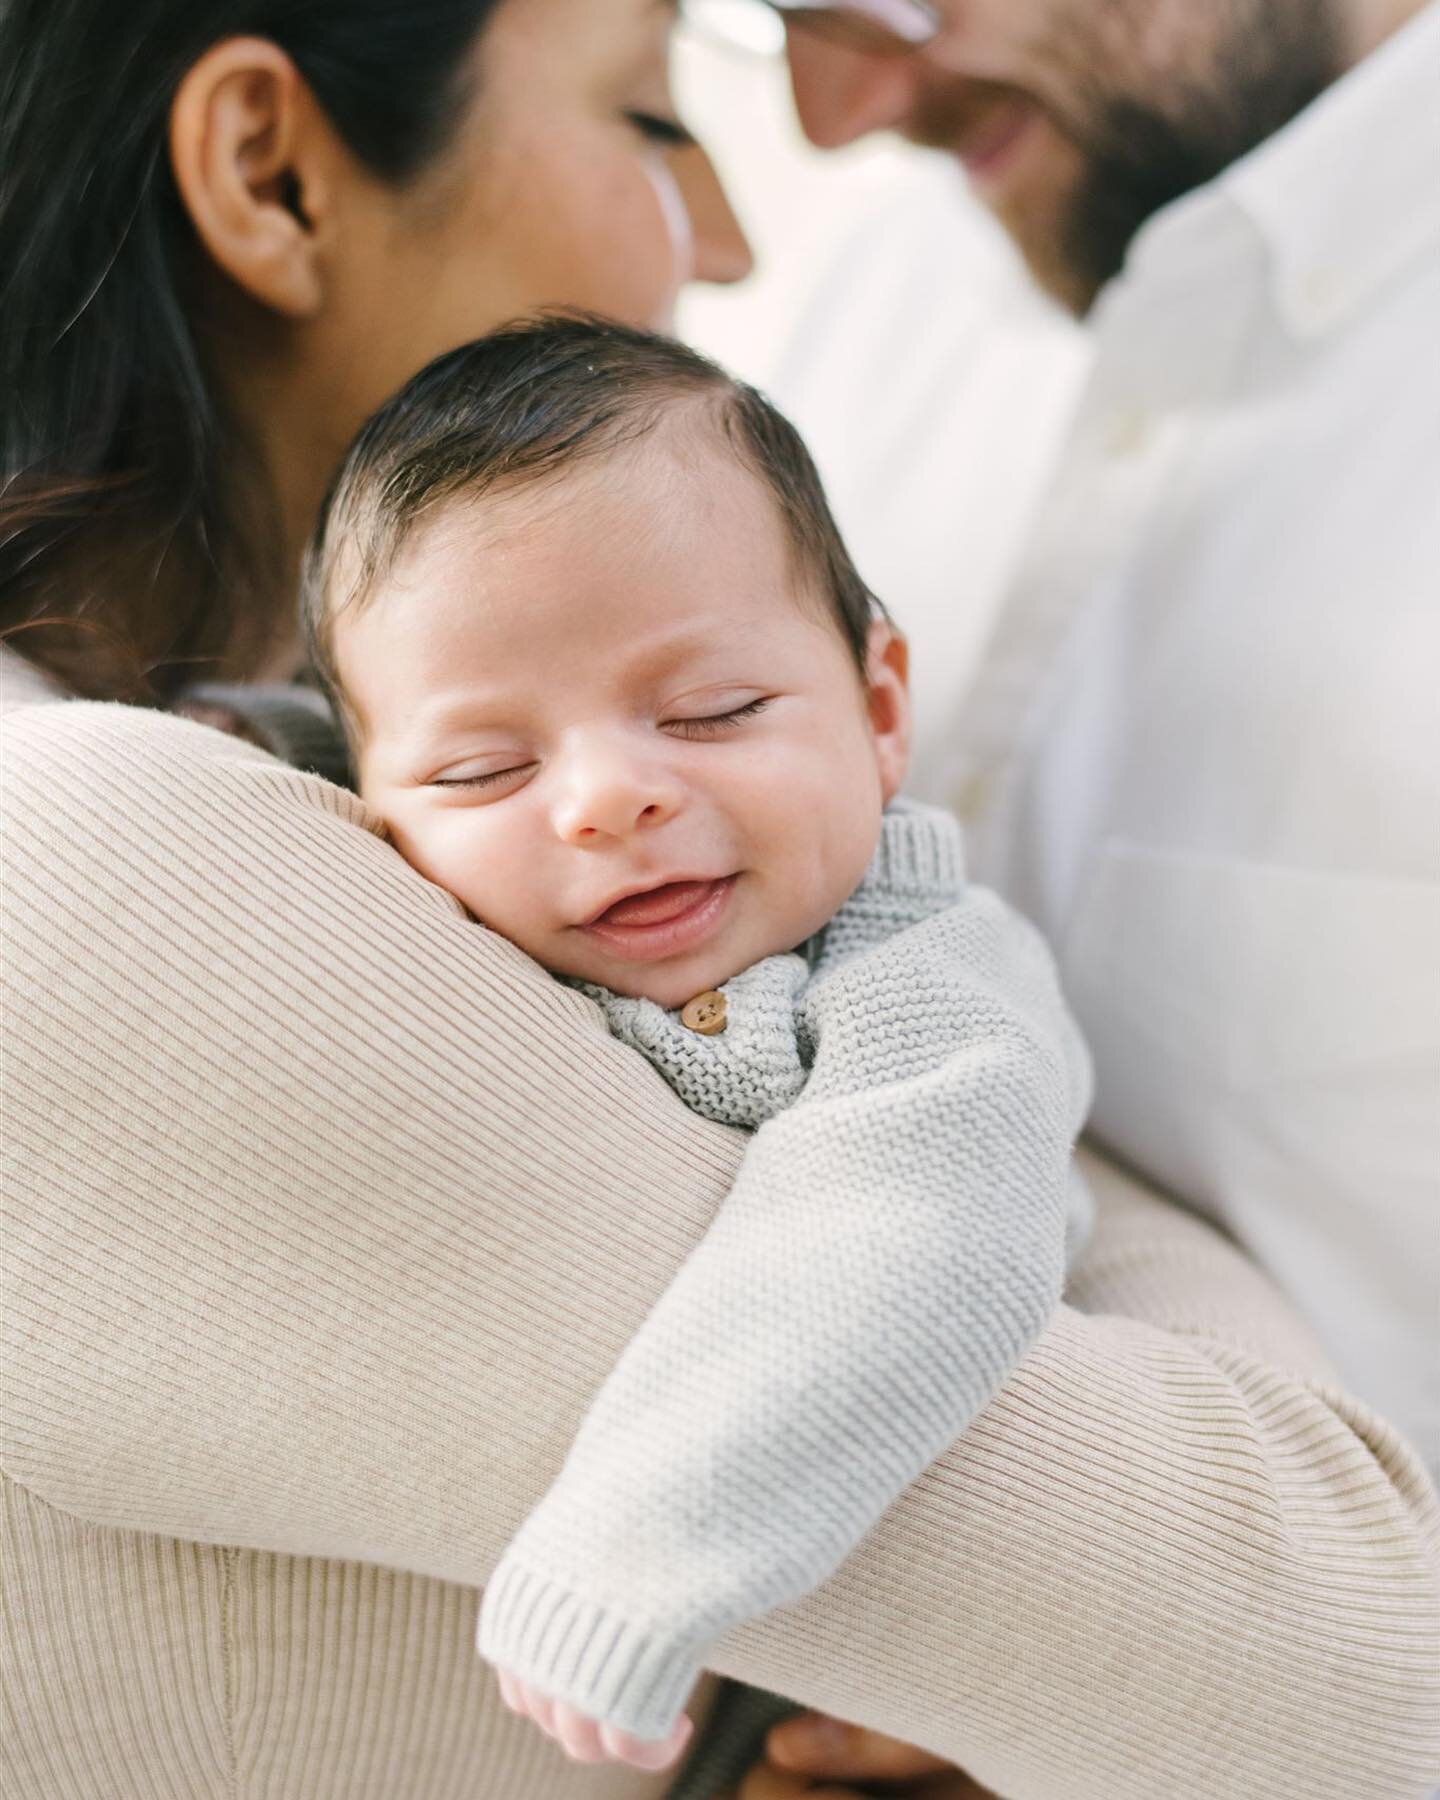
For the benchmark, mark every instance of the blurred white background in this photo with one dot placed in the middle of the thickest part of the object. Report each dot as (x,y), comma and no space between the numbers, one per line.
(891,321)
(794,201)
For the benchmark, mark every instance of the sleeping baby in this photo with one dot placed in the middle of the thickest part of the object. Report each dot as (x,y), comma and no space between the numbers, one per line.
(610,677)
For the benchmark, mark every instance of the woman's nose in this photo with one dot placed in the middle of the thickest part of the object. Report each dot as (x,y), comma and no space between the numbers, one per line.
(722,251)
(842,93)
(608,801)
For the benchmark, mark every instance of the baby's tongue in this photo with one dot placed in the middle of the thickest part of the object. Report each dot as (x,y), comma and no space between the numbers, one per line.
(657,905)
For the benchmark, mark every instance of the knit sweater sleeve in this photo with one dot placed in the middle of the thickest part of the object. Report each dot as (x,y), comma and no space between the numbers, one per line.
(894,1242)
(327,1215)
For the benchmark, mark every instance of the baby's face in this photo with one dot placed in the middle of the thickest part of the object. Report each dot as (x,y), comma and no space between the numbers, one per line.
(597,713)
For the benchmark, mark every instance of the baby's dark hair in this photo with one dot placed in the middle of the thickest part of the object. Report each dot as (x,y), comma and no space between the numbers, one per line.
(522,405)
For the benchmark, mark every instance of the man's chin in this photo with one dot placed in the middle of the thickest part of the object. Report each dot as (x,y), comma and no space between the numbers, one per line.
(1034,213)
(1055,276)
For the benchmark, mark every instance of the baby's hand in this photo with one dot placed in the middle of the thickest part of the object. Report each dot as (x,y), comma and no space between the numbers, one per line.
(587,1740)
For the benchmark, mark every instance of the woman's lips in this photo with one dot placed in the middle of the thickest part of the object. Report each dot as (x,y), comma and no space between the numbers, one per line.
(663,920)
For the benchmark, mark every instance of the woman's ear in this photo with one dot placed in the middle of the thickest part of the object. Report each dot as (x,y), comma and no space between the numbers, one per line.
(247,144)
(887,681)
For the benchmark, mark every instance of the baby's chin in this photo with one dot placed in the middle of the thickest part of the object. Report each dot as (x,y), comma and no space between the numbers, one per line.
(672,984)
(747,937)
(670,988)
(669,984)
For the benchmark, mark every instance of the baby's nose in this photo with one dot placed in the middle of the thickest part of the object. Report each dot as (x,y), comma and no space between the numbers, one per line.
(612,802)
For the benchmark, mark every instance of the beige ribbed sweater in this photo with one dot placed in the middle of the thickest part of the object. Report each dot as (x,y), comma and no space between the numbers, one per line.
(329,1213)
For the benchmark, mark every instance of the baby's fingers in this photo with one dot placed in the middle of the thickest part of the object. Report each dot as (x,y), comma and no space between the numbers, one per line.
(579,1737)
(646,1753)
(512,1692)
(541,1708)
(529,1702)
(584,1739)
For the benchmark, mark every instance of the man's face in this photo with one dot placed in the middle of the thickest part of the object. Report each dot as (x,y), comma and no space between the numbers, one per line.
(1077,119)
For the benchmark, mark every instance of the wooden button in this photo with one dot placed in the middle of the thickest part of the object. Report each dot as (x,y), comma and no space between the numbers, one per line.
(705,1013)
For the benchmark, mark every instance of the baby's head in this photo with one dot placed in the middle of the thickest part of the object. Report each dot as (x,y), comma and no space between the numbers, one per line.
(607,670)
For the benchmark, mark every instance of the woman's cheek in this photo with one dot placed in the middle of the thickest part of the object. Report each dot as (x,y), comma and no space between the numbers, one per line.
(637,231)
(679,235)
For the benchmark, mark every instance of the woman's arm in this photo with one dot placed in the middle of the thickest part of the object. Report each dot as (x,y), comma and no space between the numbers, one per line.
(330,1213)
(326,1202)
(1172,1558)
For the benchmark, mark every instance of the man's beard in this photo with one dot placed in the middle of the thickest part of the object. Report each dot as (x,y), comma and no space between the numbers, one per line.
(1139,154)
(1140,138)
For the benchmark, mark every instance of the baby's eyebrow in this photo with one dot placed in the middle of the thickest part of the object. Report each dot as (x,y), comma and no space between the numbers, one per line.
(690,643)
(451,712)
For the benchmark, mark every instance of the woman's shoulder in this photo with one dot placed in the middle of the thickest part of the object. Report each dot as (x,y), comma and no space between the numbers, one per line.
(157,824)
(128,771)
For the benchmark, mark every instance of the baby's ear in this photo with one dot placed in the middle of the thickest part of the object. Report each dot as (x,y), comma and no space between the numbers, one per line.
(887,683)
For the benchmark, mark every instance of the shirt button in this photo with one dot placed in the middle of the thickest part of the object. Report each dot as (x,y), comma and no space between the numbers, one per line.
(705,1013)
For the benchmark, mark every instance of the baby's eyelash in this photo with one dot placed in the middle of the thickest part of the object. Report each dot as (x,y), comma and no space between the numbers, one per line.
(693,728)
(718,722)
(477,781)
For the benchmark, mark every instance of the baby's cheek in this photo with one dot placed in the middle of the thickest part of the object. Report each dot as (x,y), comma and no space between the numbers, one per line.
(522,929)
(450,849)
(843,841)
(807,898)
(503,906)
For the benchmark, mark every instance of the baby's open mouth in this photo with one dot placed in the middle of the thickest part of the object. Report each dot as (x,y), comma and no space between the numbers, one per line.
(656,906)
(663,920)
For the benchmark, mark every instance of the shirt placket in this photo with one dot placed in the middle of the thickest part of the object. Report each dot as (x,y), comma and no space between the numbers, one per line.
(1168,339)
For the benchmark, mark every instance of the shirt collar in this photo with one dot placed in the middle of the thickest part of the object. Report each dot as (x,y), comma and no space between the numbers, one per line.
(1342,198)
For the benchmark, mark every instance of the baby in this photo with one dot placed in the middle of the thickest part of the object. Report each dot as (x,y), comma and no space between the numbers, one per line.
(610,678)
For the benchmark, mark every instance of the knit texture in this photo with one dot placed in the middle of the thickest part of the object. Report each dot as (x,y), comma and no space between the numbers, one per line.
(894,1242)
(327,1214)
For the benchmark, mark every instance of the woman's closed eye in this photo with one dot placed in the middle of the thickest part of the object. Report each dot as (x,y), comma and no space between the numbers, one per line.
(660,129)
(712,724)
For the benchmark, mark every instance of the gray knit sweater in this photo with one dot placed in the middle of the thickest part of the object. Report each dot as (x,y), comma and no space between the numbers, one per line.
(896,1238)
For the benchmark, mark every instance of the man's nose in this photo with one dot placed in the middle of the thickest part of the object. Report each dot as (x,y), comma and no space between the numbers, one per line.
(842,92)
(608,797)
(722,251)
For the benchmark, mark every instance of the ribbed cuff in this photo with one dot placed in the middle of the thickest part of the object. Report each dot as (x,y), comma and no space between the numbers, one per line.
(921,851)
(611,1668)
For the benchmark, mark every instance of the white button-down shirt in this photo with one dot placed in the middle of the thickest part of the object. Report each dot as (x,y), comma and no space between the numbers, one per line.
(1203,749)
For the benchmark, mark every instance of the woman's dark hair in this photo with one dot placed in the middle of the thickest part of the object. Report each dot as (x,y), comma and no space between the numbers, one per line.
(128,517)
(524,405)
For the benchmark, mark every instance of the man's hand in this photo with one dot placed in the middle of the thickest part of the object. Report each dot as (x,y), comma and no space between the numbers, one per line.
(817,1758)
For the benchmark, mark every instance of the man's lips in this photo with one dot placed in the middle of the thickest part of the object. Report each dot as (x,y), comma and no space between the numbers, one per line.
(984,146)
(662,920)
(976,119)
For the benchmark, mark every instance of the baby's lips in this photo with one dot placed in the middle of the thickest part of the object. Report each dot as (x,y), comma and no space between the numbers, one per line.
(656,906)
